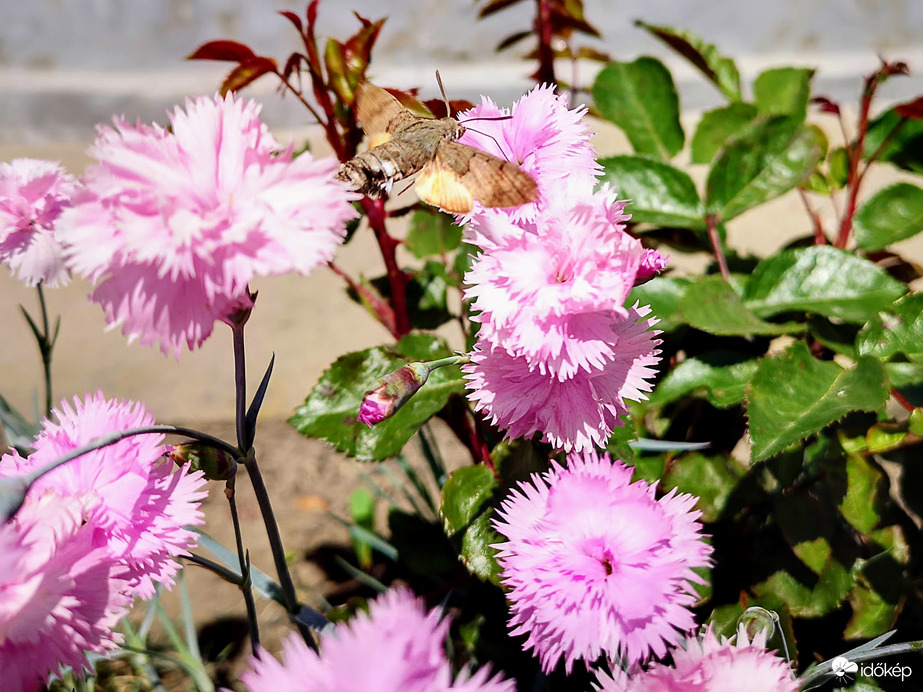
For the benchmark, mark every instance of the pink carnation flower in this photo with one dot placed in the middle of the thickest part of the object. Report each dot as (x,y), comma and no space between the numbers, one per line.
(61,593)
(33,193)
(555,294)
(706,663)
(172,225)
(596,564)
(578,413)
(546,139)
(129,488)
(397,647)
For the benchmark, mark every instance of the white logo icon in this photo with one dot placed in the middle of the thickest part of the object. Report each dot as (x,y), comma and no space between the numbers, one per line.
(843,666)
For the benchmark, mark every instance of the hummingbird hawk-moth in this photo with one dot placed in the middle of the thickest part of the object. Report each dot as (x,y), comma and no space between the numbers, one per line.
(452,175)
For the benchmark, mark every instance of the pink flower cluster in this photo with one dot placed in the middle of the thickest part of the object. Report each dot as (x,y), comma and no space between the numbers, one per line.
(173,223)
(91,534)
(33,194)
(397,647)
(705,663)
(595,564)
(558,352)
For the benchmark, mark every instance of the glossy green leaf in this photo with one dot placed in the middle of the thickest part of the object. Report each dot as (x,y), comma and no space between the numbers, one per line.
(865,483)
(664,295)
(823,280)
(432,233)
(770,158)
(718,126)
(711,304)
(641,99)
(721,71)
(915,422)
(329,412)
(784,91)
(711,479)
(891,214)
(619,441)
(883,437)
(904,145)
(838,167)
(792,396)
(657,193)
(829,591)
(897,329)
(467,489)
(476,554)
(719,376)
(872,614)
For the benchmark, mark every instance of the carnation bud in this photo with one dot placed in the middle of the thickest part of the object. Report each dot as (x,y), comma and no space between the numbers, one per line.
(393,391)
(216,463)
(652,263)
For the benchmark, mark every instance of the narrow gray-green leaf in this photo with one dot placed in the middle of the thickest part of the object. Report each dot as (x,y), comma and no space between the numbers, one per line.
(784,91)
(767,160)
(641,99)
(657,192)
(821,280)
(720,70)
(792,395)
(716,127)
(891,214)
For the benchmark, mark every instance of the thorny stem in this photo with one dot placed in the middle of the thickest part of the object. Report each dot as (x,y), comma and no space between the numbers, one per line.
(543,30)
(712,224)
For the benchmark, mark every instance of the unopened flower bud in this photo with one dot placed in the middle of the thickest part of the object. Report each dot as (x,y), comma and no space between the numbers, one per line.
(652,263)
(393,391)
(217,464)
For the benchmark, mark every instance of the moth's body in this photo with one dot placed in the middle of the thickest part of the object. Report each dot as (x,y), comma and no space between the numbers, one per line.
(452,175)
(406,152)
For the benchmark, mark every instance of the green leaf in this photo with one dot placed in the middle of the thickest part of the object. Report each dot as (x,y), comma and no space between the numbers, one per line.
(864,484)
(792,396)
(329,412)
(823,280)
(648,468)
(641,99)
(767,160)
(663,294)
(804,525)
(903,375)
(904,149)
(720,70)
(476,554)
(657,192)
(829,591)
(711,304)
(838,166)
(719,376)
(432,233)
(619,441)
(872,614)
(784,91)
(891,214)
(897,329)
(711,479)
(463,494)
(718,126)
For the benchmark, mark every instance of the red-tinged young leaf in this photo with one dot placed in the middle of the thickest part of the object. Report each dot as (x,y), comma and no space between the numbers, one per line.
(721,71)
(495,6)
(912,109)
(294,19)
(588,53)
(227,51)
(562,19)
(512,39)
(311,14)
(247,72)
(292,65)
(826,105)
(358,47)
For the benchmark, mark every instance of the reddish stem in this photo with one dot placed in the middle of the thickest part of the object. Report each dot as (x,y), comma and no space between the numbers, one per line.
(854,180)
(545,53)
(397,280)
(712,224)
(819,237)
(383,311)
(901,400)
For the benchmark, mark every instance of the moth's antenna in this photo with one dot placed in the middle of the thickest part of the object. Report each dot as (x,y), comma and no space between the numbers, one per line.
(499,148)
(448,108)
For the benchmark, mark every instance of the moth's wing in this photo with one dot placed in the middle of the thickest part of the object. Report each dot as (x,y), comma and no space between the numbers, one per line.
(380,114)
(440,184)
(490,180)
